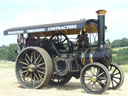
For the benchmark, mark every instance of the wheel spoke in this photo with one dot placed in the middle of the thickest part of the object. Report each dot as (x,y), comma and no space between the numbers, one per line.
(32,57)
(40,60)
(28,78)
(36,76)
(101,84)
(23,63)
(117,77)
(36,59)
(110,68)
(100,74)
(42,68)
(98,70)
(34,79)
(40,72)
(31,78)
(112,83)
(114,71)
(91,70)
(39,75)
(24,67)
(40,64)
(26,75)
(26,60)
(23,71)
(28,57)
(115,81)
(89,82)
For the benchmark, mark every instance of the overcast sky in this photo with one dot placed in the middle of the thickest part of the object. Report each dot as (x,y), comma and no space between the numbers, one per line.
(15,13)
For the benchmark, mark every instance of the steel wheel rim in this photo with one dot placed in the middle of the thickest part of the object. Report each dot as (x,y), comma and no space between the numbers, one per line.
(95,78)
(116,76)
(31,78)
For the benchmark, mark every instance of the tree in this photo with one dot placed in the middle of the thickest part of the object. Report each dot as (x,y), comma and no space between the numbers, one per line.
(116,43)
(3,54)
(124,42)
(11,56)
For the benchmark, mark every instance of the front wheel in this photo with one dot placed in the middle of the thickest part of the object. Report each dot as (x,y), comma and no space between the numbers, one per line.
(95,78)
(117,76)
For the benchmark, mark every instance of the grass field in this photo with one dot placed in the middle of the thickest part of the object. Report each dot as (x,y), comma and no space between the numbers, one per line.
(12,66)
(117,49)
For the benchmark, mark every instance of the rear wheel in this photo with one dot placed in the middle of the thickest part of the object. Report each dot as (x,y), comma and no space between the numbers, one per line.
(117,76)
(33,67)
(95,78)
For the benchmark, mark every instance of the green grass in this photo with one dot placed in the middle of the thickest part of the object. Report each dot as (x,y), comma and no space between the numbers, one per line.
(124,67)
(117,49)
(7,65)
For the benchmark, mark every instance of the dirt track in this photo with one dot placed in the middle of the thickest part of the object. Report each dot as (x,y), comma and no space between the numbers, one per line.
(10,87)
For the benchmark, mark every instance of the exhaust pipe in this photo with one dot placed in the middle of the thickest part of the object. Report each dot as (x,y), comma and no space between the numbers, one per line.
(101,27)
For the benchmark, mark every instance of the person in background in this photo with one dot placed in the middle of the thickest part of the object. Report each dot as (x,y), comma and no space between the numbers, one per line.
(28,37)
(31,40)
(21,43)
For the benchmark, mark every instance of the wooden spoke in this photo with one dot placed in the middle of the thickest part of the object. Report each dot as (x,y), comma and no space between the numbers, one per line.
(116,77)
(39,75)
(112,83)
(36,59)
(26,75)
(36,76)
(23,63)
(114,71)
(89,82)
(34,80)
(34,55)
(42,68)
(28,57)
(31,78)
(98,70)
(91,71)
(40,64)
(24,67)
(24,71)
(100,74)
(26,60)
(115,81)
(40,72)
(101,84)
(28,78)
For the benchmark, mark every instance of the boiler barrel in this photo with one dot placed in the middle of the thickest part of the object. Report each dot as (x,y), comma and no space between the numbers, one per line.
(101,55)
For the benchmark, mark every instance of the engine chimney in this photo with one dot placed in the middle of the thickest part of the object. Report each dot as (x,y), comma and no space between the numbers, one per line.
(101,27)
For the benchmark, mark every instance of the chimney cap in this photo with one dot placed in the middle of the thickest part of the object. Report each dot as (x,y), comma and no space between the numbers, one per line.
(101,12)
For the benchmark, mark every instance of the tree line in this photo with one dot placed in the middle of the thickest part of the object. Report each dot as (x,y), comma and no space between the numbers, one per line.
(120,56)
(8,52)
(119,43)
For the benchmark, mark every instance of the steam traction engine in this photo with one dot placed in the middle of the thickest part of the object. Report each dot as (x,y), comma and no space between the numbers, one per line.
(54,58)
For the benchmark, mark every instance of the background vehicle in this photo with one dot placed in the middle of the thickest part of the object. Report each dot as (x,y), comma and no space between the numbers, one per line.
(54,58)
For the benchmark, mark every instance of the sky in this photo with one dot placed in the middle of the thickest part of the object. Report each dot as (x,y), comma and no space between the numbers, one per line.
(18,13)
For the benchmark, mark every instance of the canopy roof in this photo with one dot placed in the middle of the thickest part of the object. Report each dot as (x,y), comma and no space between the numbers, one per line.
(68,28)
